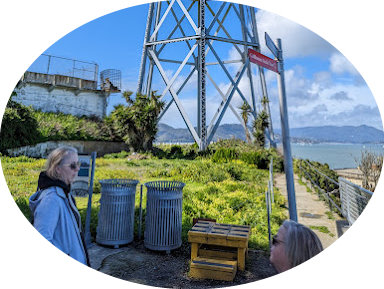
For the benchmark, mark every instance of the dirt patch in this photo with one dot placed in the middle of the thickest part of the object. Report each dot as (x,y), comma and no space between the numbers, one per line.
(137,264)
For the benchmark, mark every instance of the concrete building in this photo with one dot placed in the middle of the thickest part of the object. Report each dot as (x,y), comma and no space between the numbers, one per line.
(61,93)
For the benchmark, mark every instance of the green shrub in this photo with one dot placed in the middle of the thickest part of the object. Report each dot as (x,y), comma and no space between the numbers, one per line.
(120,155)
(224,155)
(184,151)
(18,128)
(22,125)
(176,152)
(262,158)
(310,171)
(60,126)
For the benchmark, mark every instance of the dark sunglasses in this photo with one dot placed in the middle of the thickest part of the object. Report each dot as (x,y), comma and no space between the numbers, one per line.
(276,241)
(73,166)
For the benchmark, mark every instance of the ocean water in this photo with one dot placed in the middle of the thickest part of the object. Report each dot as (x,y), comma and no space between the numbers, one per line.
(337,156)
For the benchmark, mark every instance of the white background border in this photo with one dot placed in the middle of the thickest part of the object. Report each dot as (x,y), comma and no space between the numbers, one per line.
(353,27)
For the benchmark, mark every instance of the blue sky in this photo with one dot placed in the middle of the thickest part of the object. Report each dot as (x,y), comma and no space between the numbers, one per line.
(323,88)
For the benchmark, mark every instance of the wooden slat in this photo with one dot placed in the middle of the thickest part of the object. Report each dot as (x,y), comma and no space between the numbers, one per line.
(217,254)
(207,268)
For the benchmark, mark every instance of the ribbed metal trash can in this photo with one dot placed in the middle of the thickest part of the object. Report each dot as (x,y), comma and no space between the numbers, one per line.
(163,218)
(115,226)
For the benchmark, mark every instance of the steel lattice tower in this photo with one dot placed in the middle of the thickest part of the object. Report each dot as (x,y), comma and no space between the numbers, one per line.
(196,30)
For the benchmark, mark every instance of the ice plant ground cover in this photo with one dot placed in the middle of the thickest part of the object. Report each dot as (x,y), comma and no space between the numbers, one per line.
(230,191)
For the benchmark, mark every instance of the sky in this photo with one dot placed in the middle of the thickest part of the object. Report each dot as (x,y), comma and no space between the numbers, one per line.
(354,27)
(322,86)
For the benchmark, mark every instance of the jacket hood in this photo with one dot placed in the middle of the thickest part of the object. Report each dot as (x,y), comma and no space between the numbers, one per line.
(45,182)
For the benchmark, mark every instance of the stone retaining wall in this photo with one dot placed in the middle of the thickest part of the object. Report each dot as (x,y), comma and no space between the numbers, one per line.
(42,150)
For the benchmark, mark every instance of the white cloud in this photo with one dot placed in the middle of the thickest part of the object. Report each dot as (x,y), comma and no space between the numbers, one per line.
(322,100)
(297,41)
(339,65)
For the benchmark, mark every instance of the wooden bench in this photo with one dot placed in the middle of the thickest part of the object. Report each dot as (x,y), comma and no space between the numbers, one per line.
(218,248)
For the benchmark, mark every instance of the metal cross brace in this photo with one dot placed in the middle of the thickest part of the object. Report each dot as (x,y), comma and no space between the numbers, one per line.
(175,98)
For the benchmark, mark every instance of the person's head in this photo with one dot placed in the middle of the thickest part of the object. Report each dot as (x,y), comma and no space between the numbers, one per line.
(63,164)
(293,244)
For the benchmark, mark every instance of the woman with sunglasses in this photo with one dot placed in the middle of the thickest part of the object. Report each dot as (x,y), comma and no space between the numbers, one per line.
(292,245)
(53,208)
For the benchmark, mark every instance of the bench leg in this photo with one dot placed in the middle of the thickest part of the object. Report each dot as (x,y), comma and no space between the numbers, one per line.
(241,258)
(194,250)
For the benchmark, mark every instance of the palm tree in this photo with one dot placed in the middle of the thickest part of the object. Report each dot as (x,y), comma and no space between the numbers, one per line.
(245,112)
(259,126)
(137,122)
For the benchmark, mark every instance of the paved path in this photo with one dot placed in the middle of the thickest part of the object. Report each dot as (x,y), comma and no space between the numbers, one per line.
(311,211)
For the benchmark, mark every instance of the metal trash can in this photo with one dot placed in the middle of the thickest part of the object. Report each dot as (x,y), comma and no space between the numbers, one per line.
(163,218)
(117,212)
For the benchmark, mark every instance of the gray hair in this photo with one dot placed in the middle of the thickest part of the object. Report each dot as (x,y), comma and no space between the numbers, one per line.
(301,243)
(56,158)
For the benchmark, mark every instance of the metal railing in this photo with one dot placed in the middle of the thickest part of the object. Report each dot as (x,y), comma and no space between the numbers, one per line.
(50,64)
(269,199)
(353,198)
(325,193)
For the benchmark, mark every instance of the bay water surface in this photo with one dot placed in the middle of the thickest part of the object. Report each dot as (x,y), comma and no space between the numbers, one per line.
(336,155)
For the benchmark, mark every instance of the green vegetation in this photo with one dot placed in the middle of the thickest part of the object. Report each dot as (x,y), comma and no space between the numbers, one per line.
(230,192)
(322,229)
(227,182)
(26,126)
(330,215)
(20,122)
(321,183)
(136,123)
(260,124)
(60,126)
(245,111)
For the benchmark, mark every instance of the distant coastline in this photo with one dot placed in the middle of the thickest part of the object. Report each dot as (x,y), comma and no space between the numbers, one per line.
(307,135)
(339,147)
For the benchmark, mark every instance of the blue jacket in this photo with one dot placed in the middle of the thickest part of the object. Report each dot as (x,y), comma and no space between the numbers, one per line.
(54,218)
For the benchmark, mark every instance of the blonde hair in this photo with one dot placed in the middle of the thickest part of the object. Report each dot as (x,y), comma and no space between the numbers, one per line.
(301,243)
(56,158)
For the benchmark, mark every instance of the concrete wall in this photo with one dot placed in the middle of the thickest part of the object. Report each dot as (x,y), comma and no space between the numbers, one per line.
(42,150)
(61,99)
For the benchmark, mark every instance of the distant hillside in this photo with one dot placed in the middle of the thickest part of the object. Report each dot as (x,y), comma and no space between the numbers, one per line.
(338,134)
(167,133)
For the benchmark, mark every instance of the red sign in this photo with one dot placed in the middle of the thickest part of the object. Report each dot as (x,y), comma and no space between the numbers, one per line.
(262,60)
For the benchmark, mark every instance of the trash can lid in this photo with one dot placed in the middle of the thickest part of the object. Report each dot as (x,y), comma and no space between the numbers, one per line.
(119,182)
(165,185)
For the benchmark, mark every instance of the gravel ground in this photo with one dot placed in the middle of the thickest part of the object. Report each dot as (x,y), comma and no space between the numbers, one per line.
(137,264)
